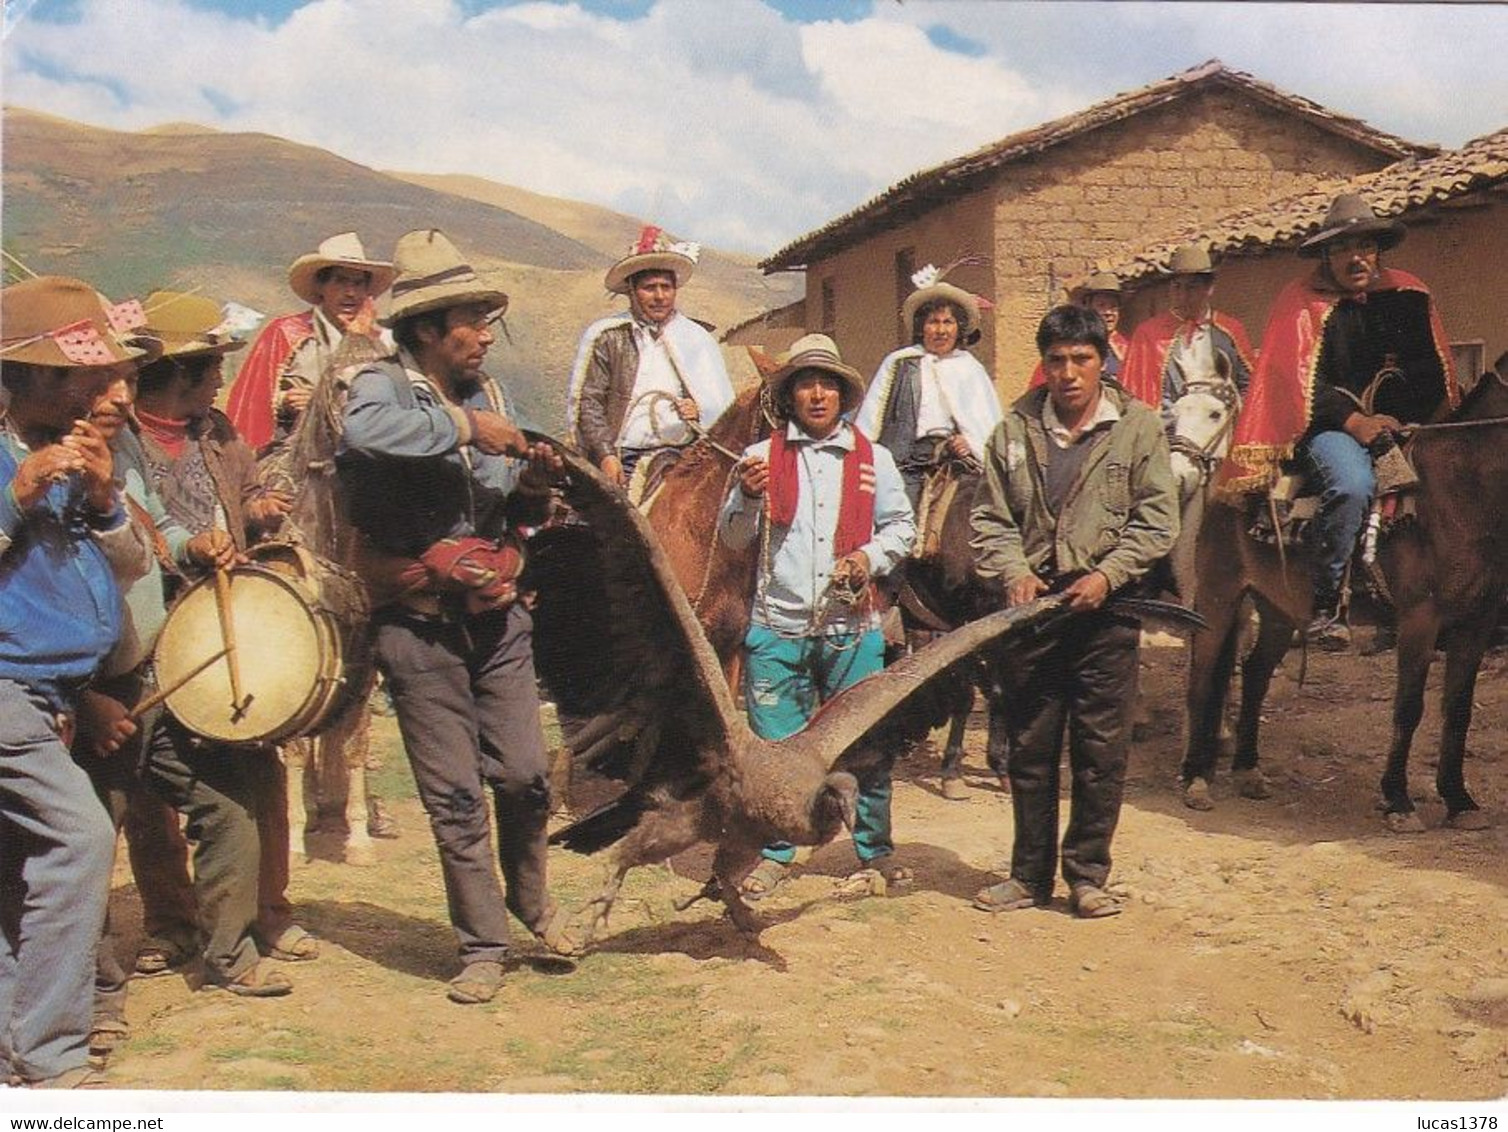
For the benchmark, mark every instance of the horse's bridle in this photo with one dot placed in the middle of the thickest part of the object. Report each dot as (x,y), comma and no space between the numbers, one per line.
(1204,455)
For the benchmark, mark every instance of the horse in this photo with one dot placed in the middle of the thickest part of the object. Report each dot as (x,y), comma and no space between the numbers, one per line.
(1200,425)
(1446,572)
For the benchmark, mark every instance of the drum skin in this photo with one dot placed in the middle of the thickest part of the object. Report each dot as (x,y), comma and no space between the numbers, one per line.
(296,633)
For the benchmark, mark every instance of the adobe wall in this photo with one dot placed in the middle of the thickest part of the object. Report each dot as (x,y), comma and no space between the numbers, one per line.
(1125,185)
(1459,252)
(864,278)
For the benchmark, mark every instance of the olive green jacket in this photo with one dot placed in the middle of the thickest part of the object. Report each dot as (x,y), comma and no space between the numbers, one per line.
(1119,518)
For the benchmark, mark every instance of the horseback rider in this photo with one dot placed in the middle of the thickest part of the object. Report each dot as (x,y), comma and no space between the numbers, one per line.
(1191,342)
(1352,350)
(1100,293)
(931,401)
(643,378)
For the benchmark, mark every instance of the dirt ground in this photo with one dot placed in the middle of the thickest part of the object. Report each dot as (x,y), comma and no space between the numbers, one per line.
(1283,949)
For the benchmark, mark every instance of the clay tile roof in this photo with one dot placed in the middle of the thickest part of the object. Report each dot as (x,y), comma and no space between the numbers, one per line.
(930,186)
(1403,187)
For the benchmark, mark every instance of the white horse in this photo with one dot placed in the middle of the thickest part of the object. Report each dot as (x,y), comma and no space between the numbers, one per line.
(1200,423)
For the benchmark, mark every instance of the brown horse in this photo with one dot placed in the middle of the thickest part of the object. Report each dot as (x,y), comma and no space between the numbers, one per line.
(683,515)
(1446,571)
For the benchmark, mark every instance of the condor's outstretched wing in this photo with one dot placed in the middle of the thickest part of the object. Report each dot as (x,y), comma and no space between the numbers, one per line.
(852,715)
(618,648)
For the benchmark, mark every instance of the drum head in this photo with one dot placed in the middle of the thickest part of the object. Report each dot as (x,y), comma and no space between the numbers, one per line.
(280,644)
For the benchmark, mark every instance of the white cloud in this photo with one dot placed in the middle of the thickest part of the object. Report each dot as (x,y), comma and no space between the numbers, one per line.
(724,121)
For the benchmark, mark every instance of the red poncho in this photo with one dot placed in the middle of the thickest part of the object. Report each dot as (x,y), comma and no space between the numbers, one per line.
(1281,396)
(252,404)
(1148,356)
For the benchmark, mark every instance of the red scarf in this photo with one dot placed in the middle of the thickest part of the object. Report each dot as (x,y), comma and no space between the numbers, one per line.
(169,435)
(253,396)
(1281,396)
(855,510)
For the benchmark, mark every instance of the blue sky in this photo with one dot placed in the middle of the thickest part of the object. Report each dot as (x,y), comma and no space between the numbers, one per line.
(740,123)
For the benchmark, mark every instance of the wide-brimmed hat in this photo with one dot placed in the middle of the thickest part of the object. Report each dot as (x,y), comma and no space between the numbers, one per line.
(1351,215)
(931,289)
(344,250)
(819,352)
(1100,283)
(188,325)
(653,251)
(432,276)
(1190,259)
(54,320)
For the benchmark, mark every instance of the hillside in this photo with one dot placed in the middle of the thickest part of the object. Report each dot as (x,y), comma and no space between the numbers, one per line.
(192,207)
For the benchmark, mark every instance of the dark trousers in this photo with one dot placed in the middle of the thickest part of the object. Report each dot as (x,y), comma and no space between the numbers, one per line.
(1083,677)
(468,711)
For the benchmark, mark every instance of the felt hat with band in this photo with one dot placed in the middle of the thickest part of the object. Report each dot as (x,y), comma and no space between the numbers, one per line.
(1350,215)
(817,352)
(54,320)
(188,324)
(432,276)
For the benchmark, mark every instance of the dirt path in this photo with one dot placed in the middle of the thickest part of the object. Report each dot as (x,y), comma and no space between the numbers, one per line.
(1291,948)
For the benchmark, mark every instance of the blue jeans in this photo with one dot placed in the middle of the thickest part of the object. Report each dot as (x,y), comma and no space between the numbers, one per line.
(1341,470)
(56,850)
(785,680)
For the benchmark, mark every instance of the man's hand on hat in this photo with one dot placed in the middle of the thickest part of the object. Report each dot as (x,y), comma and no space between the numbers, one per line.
(754,477)
(496,435)
(96,464)
(1088,592)
(687,408)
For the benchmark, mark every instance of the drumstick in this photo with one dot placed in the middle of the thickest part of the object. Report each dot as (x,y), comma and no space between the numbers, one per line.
(156,698)
(228,633)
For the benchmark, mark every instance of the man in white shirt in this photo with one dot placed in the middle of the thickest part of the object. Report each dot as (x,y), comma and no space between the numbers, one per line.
(644,378)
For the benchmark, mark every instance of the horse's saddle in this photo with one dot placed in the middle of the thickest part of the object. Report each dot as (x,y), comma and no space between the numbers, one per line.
(1290,506)
(938,496)
(649,474)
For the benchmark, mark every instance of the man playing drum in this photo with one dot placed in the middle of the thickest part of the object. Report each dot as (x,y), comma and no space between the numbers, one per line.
(643,377)
(206,477)
(424,459)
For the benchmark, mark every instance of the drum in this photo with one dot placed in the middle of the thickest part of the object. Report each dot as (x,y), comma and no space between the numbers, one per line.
(302,651)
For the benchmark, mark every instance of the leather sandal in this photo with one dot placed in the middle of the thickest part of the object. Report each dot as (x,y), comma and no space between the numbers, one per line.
(161,957)
(1090,902)
(477,983)
(1010,896)
(292,945)
(763,879)
(258,982)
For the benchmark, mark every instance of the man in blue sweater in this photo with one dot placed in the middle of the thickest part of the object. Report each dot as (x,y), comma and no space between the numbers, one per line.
(64,537)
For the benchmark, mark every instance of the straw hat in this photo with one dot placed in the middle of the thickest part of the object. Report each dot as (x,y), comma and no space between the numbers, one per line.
(34,311)
(432,276)
(1351,215)
(188,325)
(1191,259)
(344,250)
(819,352)
(652,251)
(931,289)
